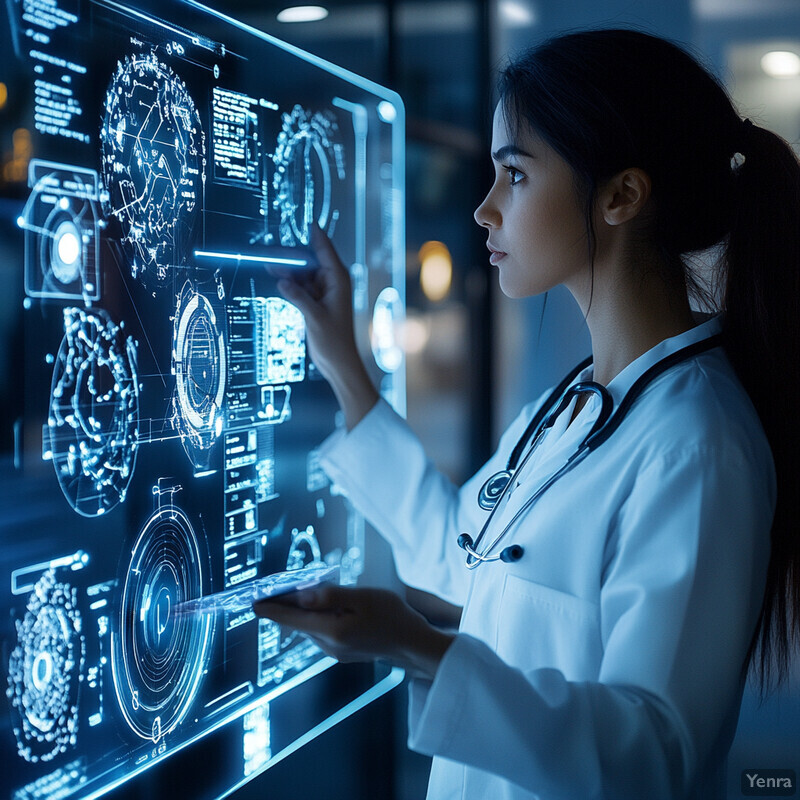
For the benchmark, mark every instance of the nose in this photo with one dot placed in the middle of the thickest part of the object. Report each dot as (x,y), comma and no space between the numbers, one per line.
(486,214)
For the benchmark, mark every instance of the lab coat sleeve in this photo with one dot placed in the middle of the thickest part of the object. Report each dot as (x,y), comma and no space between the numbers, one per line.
(679,601)
(383,469)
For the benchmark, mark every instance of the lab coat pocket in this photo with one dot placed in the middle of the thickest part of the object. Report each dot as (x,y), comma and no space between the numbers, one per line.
(543,627)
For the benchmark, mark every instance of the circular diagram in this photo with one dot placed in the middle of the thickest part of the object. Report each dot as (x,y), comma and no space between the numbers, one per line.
(199,363)
(307,160)
(153,159)
(159,657)
(94,412)
(45,671)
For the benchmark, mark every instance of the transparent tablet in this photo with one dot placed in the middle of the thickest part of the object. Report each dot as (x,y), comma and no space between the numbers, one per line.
(242,597)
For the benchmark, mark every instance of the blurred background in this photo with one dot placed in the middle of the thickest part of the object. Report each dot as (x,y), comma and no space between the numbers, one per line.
(475,357)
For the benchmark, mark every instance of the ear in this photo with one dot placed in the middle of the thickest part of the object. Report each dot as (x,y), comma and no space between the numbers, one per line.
(624,196)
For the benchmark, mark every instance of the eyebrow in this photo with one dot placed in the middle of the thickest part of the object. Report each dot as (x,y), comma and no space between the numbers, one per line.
(509,150)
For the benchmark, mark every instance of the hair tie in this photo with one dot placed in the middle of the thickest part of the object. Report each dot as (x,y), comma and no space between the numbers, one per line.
(745,129)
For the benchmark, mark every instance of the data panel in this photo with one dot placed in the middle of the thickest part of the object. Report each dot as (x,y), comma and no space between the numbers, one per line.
(173,411)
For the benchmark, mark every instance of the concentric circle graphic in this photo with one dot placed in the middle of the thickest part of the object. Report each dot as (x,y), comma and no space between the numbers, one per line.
(159,657)
(153,159)
(62,230)
(45,671)
(199,362)
(94,412)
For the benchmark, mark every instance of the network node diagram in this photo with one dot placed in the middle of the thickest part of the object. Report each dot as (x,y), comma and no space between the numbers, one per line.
(173,414)
(46,670)
(154,164)
(91,430)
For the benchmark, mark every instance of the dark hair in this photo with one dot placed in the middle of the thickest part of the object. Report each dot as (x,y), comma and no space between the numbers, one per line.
(607,100)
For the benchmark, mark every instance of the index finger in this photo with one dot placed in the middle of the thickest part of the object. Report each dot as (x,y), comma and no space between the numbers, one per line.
(324,250)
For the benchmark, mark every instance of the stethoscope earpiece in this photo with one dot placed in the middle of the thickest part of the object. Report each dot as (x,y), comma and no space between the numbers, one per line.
(509,554)
(512,553)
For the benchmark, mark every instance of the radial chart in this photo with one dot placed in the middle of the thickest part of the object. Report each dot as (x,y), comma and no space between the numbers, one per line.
(199,363)
(159,657)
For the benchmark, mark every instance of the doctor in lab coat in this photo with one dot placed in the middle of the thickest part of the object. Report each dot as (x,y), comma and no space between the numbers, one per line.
(607,662)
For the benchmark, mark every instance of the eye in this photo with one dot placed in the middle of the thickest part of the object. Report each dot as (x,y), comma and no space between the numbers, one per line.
(514,175)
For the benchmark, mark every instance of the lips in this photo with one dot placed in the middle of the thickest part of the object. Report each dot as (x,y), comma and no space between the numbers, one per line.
(495,255)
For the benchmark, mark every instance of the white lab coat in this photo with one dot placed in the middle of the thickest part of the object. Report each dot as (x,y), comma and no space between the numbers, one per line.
(606,662)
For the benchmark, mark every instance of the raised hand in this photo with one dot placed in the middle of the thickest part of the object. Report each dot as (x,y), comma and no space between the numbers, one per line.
(325,300)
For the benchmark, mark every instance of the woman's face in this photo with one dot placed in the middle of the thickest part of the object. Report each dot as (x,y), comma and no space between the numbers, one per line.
(537,231)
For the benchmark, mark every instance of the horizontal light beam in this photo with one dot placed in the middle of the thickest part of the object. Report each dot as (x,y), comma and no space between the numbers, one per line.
(288,262)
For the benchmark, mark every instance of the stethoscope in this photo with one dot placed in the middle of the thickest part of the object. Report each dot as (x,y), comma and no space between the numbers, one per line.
(498,486)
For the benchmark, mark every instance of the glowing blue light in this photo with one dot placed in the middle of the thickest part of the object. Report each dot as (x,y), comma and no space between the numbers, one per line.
(386,111)
(289,262)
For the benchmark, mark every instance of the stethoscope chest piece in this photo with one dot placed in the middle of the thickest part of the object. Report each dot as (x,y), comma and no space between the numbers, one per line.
(493,489)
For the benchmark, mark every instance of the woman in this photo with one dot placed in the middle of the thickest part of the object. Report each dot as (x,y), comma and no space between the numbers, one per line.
(604,655)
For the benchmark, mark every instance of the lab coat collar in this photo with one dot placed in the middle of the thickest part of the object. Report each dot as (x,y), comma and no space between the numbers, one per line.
(622,382)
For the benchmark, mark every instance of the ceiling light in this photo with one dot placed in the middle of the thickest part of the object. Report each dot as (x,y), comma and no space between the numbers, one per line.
(781,64)
(302,14)
(515,14)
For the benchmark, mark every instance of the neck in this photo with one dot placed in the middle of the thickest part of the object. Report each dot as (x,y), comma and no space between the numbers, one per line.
(631,311)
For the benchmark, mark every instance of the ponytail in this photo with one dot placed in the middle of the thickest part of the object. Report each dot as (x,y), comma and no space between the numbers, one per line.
(605,100)
(762,330)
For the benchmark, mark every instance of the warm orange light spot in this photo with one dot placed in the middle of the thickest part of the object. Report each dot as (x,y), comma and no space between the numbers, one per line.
(436,272)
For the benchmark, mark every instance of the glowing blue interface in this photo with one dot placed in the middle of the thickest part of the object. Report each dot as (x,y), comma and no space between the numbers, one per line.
(173,412)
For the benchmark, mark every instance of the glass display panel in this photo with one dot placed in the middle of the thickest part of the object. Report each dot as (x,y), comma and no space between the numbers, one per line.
(167,448)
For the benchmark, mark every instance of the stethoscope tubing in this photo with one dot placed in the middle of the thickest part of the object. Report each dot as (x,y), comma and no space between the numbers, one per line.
(604,426)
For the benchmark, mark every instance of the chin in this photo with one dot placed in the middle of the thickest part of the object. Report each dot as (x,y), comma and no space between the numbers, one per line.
(517,290)
(510,288)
